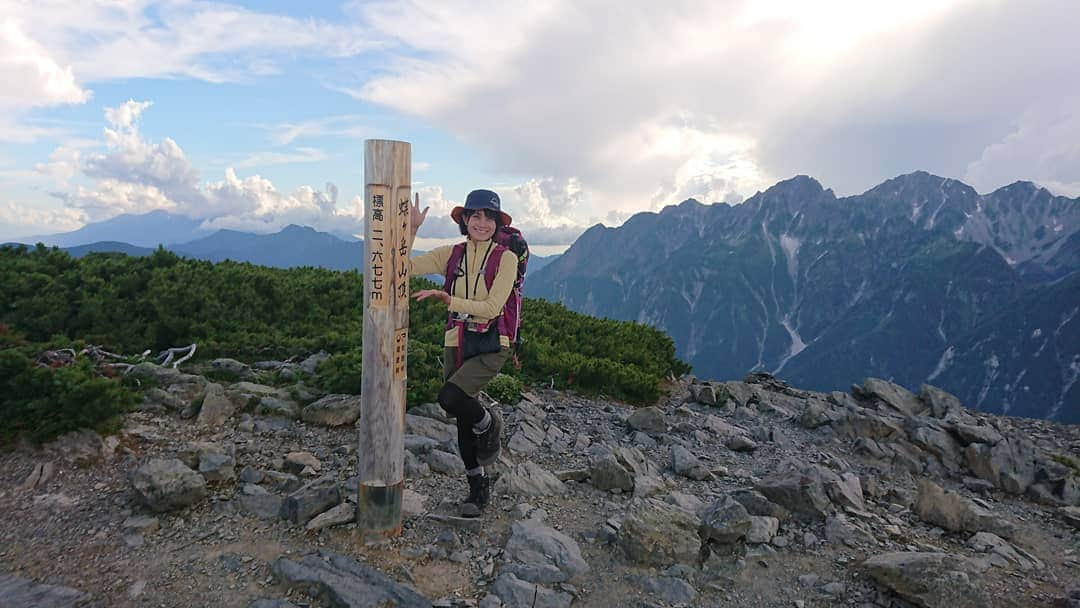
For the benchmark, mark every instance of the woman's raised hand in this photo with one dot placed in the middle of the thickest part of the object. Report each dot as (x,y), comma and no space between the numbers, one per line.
(416,217)
(438,294)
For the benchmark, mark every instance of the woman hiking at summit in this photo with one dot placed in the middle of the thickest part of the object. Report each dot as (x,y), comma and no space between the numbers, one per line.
(473,307)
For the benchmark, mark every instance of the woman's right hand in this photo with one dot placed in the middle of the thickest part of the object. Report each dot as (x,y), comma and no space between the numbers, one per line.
(416,217)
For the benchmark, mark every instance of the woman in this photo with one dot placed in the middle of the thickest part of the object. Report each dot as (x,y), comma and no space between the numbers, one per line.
(472,307)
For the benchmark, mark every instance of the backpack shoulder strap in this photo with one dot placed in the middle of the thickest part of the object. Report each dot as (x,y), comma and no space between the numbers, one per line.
(452,267)
(492,267)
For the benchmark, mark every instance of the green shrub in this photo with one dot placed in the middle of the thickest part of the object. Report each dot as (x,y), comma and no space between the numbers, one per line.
(504,389)
(42,403)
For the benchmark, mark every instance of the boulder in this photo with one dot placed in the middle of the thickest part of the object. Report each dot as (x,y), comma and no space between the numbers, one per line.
(529,479)
(940,403)
(929,580)
(801,490)
(647,419)
(725,521)
(342,581)
(216,406)
(332,410)
(167,485)
(953,512)
(310,500)
(516,593)
(891,395)
(655,533)
(1009,464)
(541,554)
(684,463)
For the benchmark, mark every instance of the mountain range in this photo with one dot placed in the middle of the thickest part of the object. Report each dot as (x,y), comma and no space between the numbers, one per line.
(920,279)
(291,247)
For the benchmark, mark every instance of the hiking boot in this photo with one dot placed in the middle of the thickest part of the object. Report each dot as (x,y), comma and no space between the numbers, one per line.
(489,443)
(479,493)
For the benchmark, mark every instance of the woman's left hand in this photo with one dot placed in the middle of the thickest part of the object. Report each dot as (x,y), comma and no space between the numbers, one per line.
(439,294)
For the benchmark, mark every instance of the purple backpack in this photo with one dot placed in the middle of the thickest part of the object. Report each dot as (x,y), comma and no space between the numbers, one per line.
(505,238)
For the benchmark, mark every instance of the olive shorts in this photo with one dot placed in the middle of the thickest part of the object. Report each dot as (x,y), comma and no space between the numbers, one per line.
(474,373)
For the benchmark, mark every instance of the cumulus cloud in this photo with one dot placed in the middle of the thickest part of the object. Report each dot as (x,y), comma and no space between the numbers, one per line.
(1044,147)
(134,175)
(32,76)
(211,41)
(716,100)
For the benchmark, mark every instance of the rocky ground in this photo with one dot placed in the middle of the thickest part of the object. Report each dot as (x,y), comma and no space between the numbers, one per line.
(745,493)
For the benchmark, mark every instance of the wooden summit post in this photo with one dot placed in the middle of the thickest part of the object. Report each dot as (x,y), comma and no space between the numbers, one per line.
(381,457)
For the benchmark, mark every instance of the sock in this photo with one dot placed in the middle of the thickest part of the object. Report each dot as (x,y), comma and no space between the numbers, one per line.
(482,426)
(476,471)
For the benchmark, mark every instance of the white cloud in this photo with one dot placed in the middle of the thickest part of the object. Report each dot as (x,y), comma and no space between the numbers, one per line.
(134,175)
(62,166)
(211,41)
(21,220)
(716,99)
(1044,148)
(32,76)
(301,154)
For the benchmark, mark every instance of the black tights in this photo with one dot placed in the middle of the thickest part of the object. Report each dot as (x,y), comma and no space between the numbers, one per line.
(468,412)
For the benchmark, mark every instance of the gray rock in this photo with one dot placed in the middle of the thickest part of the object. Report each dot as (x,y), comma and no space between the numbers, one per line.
(284,482)
(310,364)
(296,462)
(431,410)
(428,427)
(671,589)
(310,500)
(686,502)
(686,464)
(342,581)
(269,603)
(658,534)
(418,444)
(264,505)
(275,406)
(444,462)
(516,593)
(332,410)
(840,530)
(1070,515)
(725,521)
(549,555)
(527,438)
(216,406)
(939,443)
(606,473)
(814,415)
(757,504)
(647,419)
(740,443)
(1003,554)
(845,490)
(414,467)
(1009,464)
(233,367)
(800,490)
(217,467)
(529,479)
(951,511)
(929,580)
(941,403)
(762,529)
(141,524)
(970,433)
(18,591)
(893,396)
(167,485)
(412,503)
(341,514)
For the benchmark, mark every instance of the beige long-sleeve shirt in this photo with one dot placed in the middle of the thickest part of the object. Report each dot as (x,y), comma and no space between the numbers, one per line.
(470,294)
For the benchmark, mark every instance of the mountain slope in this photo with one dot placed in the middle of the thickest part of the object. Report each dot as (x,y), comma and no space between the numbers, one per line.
(827,291)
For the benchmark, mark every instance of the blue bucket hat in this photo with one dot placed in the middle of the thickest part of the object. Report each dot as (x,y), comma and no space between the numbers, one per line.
(481,199)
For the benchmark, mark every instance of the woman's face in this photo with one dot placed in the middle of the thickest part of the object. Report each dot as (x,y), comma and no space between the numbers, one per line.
(481,227)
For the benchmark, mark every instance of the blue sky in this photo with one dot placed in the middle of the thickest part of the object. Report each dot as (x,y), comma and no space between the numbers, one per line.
(252,115)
